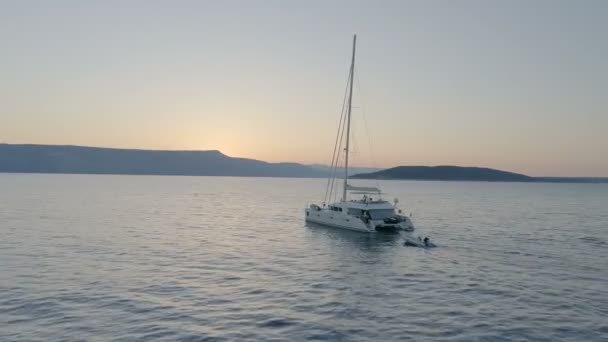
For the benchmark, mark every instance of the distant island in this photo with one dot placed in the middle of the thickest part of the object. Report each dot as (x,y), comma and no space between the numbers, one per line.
(460,173)
(27,158)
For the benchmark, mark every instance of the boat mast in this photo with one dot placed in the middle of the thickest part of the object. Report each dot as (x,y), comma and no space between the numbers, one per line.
(350,100)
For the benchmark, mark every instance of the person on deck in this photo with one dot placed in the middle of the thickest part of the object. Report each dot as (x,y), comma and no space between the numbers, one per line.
(365,216)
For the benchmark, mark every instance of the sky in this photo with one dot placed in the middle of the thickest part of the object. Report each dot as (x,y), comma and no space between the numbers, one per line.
(514,85)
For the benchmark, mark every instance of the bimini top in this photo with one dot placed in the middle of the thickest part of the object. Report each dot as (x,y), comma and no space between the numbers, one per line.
(363,189)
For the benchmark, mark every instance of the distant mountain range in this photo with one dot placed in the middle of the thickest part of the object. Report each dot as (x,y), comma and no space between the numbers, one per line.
(97,160)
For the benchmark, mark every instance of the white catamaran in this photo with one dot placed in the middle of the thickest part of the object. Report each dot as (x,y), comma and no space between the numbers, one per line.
(367,212)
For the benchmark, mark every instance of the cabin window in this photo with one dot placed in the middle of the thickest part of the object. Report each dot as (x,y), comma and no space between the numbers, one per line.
(355,212)
(380,214)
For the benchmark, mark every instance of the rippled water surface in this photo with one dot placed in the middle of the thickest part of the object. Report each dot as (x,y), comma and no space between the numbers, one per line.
(86,257)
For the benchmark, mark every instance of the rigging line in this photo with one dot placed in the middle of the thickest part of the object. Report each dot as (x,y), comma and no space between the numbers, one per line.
(332,169)
(369,141)
(344,132)
(334,183)
(337,148)
(333,173)
(333,158)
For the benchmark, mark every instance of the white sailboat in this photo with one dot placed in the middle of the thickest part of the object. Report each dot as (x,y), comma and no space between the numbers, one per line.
(360,208)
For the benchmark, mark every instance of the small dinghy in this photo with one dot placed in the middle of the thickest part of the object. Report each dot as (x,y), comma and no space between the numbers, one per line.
(411,241)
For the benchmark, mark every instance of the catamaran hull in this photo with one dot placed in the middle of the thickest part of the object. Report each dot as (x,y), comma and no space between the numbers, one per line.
(336,220)
(339,220)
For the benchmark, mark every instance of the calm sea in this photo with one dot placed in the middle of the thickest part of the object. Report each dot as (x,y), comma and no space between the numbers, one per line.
(127,258)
